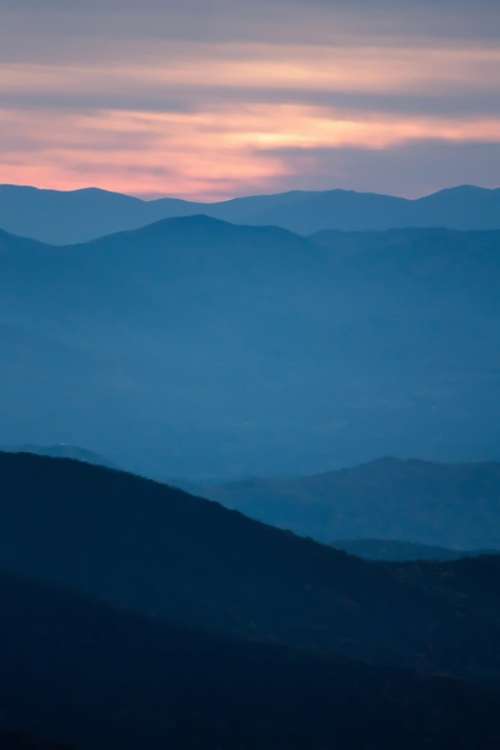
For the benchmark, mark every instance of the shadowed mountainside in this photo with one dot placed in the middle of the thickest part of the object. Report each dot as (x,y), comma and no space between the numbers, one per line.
(149,547)
(106,679)
(10,740)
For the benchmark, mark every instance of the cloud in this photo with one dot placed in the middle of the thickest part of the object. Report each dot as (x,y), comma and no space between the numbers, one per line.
(411,169)
(216,153)
(216,98)
(278,21)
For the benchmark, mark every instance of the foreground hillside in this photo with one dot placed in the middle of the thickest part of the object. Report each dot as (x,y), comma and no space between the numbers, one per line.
(454,505)
(201,348)
(160,551)
(82,215)
(104,679)
(14,740)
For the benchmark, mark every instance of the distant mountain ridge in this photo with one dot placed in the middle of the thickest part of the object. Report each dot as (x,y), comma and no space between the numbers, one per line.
(60,217)
(448,505)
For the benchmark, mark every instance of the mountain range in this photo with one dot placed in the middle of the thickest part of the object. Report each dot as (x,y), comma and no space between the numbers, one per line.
(410,496)
(78,216)
(195,347)
(449,505)
(136,614)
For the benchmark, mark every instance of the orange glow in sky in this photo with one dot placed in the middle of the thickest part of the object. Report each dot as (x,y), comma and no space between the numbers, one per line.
(210,120)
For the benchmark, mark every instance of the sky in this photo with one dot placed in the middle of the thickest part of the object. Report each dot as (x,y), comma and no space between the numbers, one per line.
(220,98)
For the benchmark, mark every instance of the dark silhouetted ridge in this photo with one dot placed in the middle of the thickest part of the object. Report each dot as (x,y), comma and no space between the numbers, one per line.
(102,678)
(155,549)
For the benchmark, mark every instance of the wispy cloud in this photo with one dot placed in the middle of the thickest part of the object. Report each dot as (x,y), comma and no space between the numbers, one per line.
(155,104)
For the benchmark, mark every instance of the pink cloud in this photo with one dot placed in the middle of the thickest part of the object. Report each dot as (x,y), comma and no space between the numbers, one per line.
(208,134)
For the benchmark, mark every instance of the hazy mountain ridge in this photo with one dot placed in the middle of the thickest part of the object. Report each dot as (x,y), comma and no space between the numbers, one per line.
(82,215)
(200,347)
(454,505)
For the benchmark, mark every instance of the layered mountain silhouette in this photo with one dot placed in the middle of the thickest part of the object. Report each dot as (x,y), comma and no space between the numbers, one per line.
(81,215)
(151,548)
(452,505)
(194,347)
(103,678)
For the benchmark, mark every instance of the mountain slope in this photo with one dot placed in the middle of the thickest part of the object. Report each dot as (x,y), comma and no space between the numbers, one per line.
(198,347)
(22,741)
(160,551)
(454,505)
(102,678)
(82,215)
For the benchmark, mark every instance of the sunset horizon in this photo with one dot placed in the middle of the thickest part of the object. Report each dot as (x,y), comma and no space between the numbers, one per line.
(220,99)
(148,197)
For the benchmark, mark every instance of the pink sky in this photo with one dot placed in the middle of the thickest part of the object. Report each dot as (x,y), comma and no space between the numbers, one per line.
(142,106)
